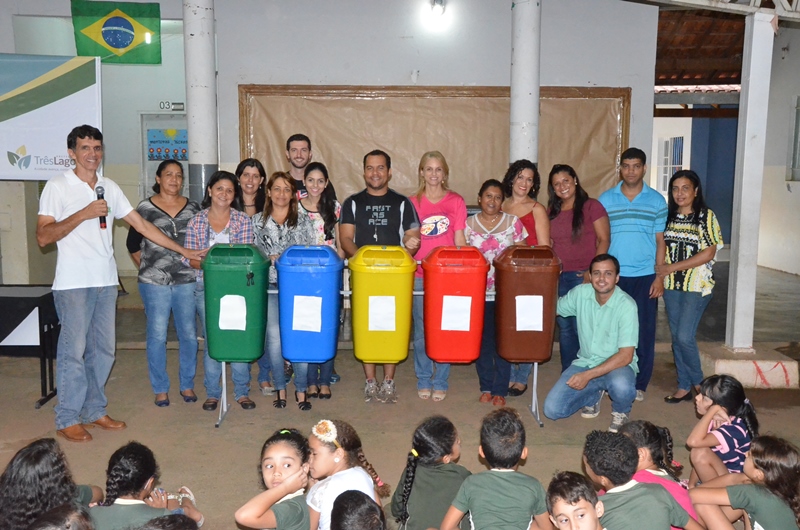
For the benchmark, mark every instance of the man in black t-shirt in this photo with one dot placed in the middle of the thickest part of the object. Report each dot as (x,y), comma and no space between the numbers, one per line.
(378,216)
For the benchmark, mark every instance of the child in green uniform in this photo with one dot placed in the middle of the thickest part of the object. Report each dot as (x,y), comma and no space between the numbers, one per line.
(501,498)
(431,478)
(284,473)
(610,460)
(573,503)
(772,500)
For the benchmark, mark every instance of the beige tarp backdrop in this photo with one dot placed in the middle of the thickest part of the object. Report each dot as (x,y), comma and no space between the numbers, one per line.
(584,127)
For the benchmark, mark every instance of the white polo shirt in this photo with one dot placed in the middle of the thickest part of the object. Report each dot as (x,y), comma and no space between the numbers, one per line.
(85,255)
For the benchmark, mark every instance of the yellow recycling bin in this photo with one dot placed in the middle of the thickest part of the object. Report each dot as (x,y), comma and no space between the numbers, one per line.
(382,283)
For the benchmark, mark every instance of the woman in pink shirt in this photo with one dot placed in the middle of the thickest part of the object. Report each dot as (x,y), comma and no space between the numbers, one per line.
(442,215)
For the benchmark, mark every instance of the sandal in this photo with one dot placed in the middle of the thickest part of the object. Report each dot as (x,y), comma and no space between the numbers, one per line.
(280,403)
(486,397)
(424,393)
(302,405)
(439,395)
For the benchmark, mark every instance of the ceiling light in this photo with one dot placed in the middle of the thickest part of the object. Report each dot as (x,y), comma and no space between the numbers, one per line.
(437,6)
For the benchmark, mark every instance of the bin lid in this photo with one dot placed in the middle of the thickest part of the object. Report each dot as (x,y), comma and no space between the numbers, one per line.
(230,254)
(520,258)
(309,258)
(467,258)
(384,258)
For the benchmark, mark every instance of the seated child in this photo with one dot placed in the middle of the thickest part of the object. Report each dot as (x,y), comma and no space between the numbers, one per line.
(431,478)
(655,460)
(70,516)
(573,503)
(610,460)
(131,497)
(355,510)
(169,522)
(500,498)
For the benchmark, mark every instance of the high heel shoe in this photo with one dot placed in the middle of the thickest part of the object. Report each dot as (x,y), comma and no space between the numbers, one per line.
(280,403)
(302,405)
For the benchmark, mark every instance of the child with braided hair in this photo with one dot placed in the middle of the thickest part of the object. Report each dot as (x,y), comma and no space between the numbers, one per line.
(654,445)
(283,471)
(339,464)
(131,497)
(431,478)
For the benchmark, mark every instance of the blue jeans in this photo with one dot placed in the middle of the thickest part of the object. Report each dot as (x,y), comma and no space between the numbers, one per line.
(493,370)
(684,310)
(568,344)
(638,287)
(563,401)
(240,372)
(159,301)
(430,374)
(520,372)
(319,374)
(85,352)
(272,360)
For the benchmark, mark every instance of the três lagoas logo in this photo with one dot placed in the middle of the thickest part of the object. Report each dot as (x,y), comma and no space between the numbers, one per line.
(20,158)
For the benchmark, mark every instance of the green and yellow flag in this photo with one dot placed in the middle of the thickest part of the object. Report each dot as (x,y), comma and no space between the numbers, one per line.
(118,32)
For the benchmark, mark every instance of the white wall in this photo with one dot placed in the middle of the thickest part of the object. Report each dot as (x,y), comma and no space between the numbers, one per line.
(364,42)
(780,203)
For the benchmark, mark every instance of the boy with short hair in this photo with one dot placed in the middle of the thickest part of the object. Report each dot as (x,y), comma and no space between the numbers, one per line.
(500,498)
(573,503)
(610,460)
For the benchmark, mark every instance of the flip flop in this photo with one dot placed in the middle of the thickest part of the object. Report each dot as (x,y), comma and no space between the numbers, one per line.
(439,395)
(424,393)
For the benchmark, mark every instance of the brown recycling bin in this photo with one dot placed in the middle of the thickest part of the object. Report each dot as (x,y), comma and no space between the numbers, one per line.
(526,282)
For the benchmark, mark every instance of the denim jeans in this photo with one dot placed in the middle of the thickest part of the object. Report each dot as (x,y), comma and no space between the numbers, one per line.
(240,372)
(319,374)
(493,370)
(684,310)
(563,401)
(272,360)
(430,374)
(520,372)
(85,352)
(568,344)
(638,287)
(159,301)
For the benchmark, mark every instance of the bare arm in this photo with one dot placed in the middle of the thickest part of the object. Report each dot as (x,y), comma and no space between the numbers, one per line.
(542,522)
(693,525)
(542,225)
(149,230)
(348,239)
(461,239)
(622,358)
(701,258)
(451,519)
(411,240)
(137,258)
(700,437)
(314,516)
(48,230)
(338,237)
(257,512)
(602,233)
(657,289)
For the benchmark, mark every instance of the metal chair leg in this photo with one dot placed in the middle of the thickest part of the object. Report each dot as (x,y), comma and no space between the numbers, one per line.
(535,395)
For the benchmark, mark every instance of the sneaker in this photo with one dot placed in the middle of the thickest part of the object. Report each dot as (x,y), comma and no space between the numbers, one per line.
(370,391)
(640,395)
(618,419)
(387,393)
(592,411)
(335,378)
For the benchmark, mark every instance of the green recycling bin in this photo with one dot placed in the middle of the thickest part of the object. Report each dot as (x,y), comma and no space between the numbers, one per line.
(236,302)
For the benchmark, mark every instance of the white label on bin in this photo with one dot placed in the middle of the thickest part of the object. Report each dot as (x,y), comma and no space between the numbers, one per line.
(529,313)
(233,312)
(456,312)
(381,313)
(307,314)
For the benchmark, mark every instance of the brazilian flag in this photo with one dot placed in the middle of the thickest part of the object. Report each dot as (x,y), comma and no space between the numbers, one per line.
(118,32)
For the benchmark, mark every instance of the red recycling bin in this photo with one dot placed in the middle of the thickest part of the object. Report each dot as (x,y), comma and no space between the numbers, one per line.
(454,280)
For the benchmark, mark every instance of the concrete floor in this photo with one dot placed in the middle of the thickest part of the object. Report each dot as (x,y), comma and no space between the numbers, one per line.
(220,465)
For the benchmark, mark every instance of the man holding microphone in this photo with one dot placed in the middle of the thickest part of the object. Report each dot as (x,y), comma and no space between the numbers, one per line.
(72,213)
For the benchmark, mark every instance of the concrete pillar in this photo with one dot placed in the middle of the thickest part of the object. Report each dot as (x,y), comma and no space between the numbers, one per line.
(201,93)
(751,139)
(526,19)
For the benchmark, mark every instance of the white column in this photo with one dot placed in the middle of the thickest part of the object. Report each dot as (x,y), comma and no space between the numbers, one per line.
(201,92)
(750,141)
(526,18)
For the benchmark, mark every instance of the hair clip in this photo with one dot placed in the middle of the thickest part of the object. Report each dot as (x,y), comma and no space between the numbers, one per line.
(379,482)
(414,452)
(325,430)
(285,431)
(746,401)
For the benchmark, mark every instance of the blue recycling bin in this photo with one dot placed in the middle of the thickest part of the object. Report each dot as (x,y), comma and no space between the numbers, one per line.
(309,302)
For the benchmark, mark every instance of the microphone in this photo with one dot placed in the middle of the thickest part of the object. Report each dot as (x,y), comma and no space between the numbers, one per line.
(100,190)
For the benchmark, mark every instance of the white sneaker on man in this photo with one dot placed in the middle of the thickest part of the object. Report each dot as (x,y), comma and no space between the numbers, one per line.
(592,411)
(618,419)
(639,395)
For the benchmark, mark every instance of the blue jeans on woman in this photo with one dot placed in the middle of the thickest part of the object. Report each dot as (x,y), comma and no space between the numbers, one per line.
(493,370)
(568,344)
(159,302)
(430,374)
(240,372)
(319,374)
(272,360)
(684,310)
